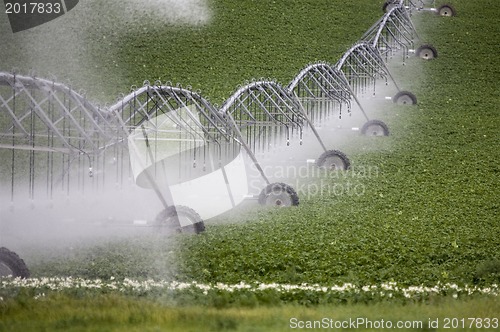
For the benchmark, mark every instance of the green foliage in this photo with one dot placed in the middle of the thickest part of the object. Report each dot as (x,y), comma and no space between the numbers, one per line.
(138,257)
(236,46)
(488,271)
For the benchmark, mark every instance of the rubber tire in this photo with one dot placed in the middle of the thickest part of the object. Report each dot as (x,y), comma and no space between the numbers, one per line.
(430,54)
(446,10)
(278,191)
(333,153)
(397,98)
(377,123)
(11,261)
(168,218)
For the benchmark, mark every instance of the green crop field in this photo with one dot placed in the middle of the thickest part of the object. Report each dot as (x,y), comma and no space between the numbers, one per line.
(427,215)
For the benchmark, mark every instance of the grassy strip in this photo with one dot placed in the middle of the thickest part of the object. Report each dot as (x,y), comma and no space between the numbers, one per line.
(114,312)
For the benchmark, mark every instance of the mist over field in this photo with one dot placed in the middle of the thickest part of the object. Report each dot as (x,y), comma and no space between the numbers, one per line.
(78,47)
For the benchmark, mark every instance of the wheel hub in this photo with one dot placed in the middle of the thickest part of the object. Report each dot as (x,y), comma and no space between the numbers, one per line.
(375,130)
(445,11)
(279,195)
(279,199)
(404,100)
(427,54)
(334,163)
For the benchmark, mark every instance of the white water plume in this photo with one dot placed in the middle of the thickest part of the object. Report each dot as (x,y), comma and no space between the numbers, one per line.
(83,45)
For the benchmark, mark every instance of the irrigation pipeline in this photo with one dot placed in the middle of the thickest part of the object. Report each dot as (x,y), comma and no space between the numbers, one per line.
(48,128)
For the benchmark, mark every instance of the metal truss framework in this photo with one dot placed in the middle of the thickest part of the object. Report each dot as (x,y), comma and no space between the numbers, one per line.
(53,135)
(46,129)
(322,91)
(166,113)
(361,66)
(74,143)
(392,33)
(174,135)
(264,115)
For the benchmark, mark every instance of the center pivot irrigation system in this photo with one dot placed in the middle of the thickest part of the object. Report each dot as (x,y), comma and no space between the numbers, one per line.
(163,156)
